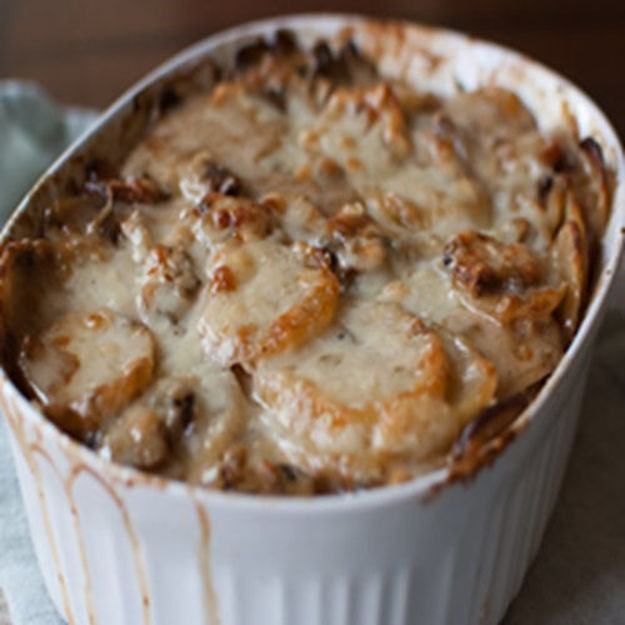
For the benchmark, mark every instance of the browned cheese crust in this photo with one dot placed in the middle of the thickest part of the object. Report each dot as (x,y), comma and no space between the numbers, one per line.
(307,277)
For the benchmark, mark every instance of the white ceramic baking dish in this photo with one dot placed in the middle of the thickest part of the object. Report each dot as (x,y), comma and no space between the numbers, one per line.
(117,547)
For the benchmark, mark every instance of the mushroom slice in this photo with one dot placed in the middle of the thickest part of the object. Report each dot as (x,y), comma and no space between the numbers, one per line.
(140,190)
(220,419)
(505,281)
(134,190)
(138,438)
(378,384)
(202,175)
(181,425)
(24,266)
(482,264)
(86,367)
(262,299)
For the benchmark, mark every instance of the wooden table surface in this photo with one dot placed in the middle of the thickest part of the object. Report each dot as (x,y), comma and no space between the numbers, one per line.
(87,51)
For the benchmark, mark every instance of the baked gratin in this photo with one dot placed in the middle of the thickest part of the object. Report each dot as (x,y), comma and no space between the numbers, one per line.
(305,277)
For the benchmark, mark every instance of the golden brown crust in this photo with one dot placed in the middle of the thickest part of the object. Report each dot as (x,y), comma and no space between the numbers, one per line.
(361,420)
(76,392)
(484,265)
(293,303)
(335,274)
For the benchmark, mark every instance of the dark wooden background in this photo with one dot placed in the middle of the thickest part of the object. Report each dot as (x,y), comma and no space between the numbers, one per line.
(88,51)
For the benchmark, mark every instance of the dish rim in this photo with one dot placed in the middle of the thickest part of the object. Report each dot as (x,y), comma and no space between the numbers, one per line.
(421,487)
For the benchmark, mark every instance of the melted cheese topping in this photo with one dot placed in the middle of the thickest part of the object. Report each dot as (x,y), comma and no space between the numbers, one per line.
(308,278)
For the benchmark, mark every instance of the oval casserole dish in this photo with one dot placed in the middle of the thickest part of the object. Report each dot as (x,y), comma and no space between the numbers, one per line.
(120,547)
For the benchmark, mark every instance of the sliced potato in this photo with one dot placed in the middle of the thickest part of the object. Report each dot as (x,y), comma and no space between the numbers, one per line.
(376,384)
(597,190)
(571,255)
(261,300)
(523,352)
(490,115)
(375,109)
(86,367)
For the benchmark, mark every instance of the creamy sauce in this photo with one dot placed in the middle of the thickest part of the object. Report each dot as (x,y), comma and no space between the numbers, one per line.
(308,278)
